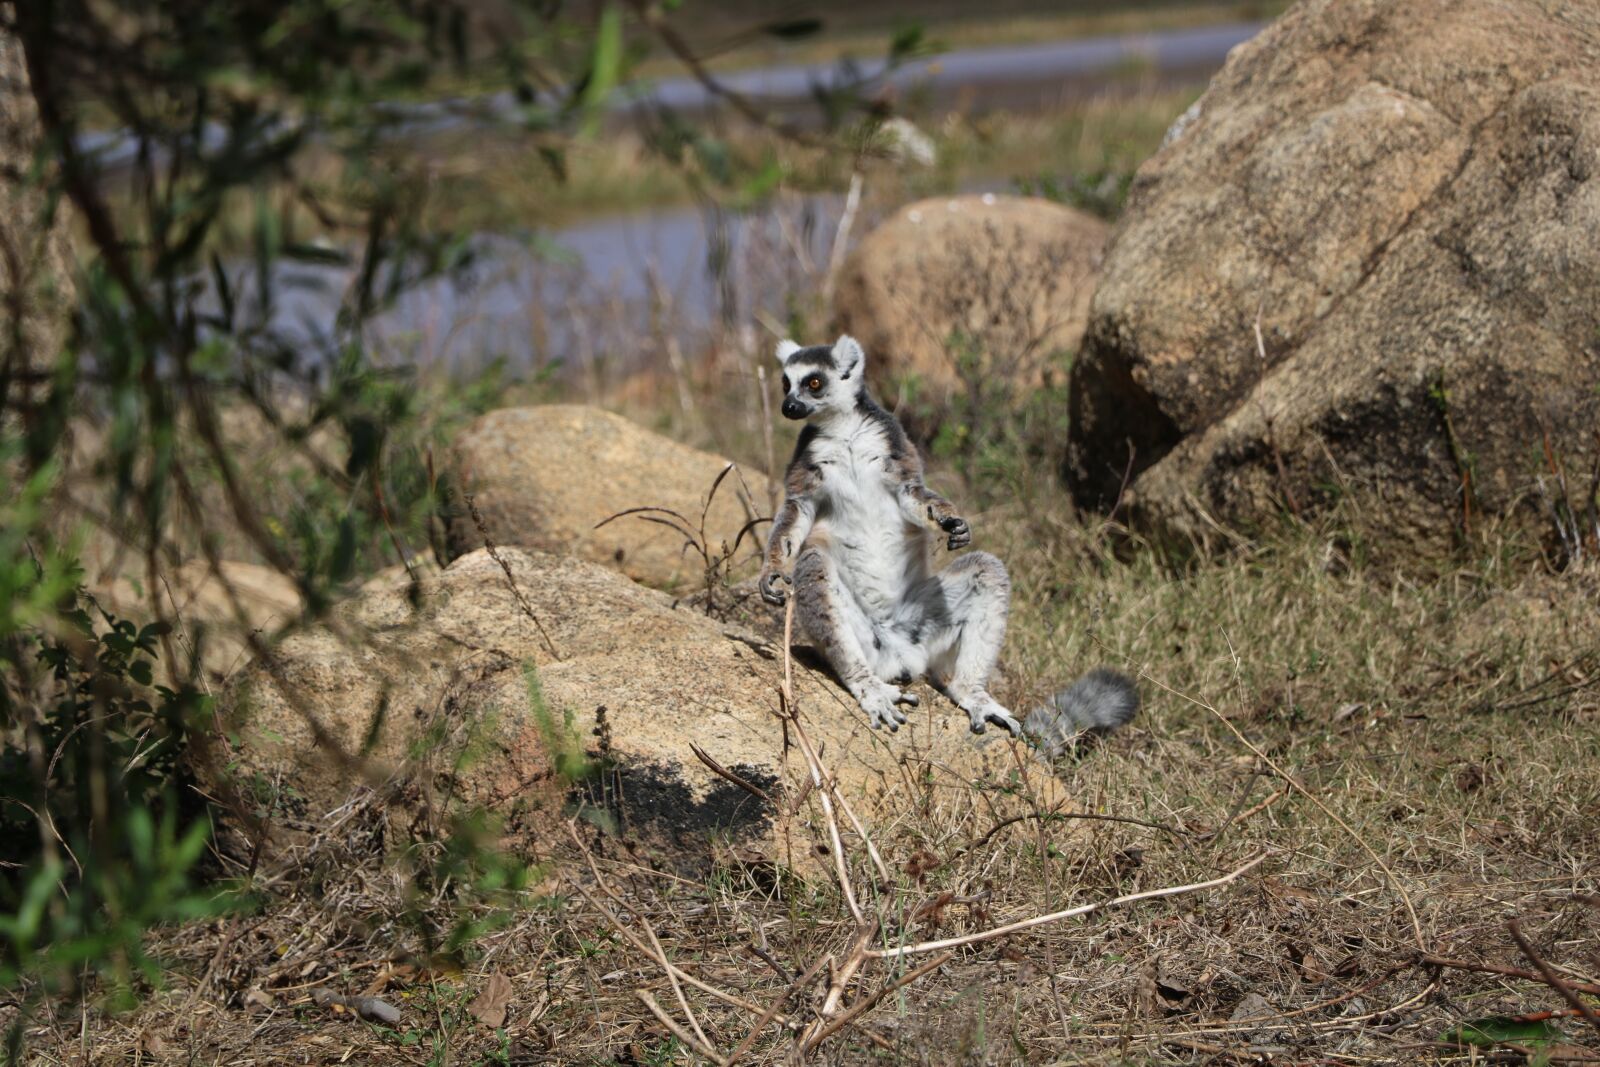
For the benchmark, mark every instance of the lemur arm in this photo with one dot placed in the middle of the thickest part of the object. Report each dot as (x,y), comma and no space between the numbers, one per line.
(924,507)
(789,530)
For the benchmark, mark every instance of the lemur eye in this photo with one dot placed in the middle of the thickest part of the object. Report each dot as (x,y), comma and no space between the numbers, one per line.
(786,383)
(814,383)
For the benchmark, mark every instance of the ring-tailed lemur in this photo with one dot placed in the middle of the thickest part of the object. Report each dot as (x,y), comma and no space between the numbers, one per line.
(856,530)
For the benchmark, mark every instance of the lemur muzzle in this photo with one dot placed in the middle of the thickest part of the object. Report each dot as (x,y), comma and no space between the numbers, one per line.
(793,409)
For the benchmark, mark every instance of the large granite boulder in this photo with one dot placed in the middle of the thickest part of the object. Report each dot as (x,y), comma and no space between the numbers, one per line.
(210,606)
(564,681)
(1403,194)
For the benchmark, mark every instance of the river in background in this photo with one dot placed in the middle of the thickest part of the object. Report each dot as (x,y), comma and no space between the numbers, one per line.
(600,296)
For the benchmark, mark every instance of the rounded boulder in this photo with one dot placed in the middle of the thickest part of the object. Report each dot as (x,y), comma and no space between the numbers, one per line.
(952,290)
(547,477)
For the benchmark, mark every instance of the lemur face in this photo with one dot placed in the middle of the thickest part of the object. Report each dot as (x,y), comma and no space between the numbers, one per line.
(821,379)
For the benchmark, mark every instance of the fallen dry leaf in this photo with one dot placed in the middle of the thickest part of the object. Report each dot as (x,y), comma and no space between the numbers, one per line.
(151,1044)
(490,1006)
(389,975)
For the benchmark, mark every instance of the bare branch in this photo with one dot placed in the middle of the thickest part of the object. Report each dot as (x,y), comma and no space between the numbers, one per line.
(1057,916)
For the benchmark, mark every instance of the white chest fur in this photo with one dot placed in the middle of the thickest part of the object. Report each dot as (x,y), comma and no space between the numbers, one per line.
(877,553)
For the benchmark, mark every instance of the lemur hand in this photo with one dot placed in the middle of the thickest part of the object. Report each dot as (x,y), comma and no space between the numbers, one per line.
(960,533)
(770,592)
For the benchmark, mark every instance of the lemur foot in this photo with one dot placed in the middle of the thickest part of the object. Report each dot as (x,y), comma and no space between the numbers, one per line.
(982,714)
(881,705)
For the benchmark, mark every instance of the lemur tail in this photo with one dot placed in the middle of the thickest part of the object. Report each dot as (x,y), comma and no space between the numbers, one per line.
(1098,703)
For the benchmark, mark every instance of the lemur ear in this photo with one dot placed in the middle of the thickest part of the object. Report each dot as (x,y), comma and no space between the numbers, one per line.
(786,349)
(847,354)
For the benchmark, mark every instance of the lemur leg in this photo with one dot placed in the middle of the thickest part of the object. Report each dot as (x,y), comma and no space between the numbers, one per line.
(830,616)
(977,596)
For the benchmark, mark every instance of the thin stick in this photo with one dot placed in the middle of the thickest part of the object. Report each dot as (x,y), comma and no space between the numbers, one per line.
(1272,440)
(511,579)
(842,869)
(655,942)
(644,950)
(841,237)
(766,439)
(872,850)
(866,1004)
(1394,883)
(653,17)
(1269,1023)
(836,844)
(677,990)
(658,958)
(1500,969)
(1048,816)
(678,1031)
(1552,979)
(788,657)
(1323,1005)
(1257,809)
(777,1006)
(842,977)
(722,772)
(1057,916)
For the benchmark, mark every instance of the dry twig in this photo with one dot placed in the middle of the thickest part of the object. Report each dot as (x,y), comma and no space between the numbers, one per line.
(1551,978)
(511,579)
(1057,916)
(702,1047)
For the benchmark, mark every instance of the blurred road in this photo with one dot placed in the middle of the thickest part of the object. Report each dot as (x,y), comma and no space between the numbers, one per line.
(1025,77)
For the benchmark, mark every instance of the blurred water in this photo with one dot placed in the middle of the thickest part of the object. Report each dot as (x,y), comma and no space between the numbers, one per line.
(603,290)
(606,292)
(605,295)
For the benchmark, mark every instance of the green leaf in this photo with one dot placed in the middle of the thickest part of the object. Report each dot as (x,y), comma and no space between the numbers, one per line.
(1492,1030)
(763,182)
(305,252)
(908,43)
(605,67)
(793,29)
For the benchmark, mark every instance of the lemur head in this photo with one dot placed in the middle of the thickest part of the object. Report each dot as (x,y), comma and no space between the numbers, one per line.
(822,379)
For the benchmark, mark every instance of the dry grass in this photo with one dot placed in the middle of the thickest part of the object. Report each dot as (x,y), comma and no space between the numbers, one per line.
(1424,742)
(1448,726)
(479,181)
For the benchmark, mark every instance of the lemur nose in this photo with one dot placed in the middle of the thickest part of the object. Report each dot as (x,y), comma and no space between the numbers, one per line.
(793,409)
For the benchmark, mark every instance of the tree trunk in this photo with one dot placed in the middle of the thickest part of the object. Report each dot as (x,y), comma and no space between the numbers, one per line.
(36,290)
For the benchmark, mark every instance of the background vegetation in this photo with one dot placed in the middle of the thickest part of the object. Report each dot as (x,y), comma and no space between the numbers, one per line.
(158,408)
